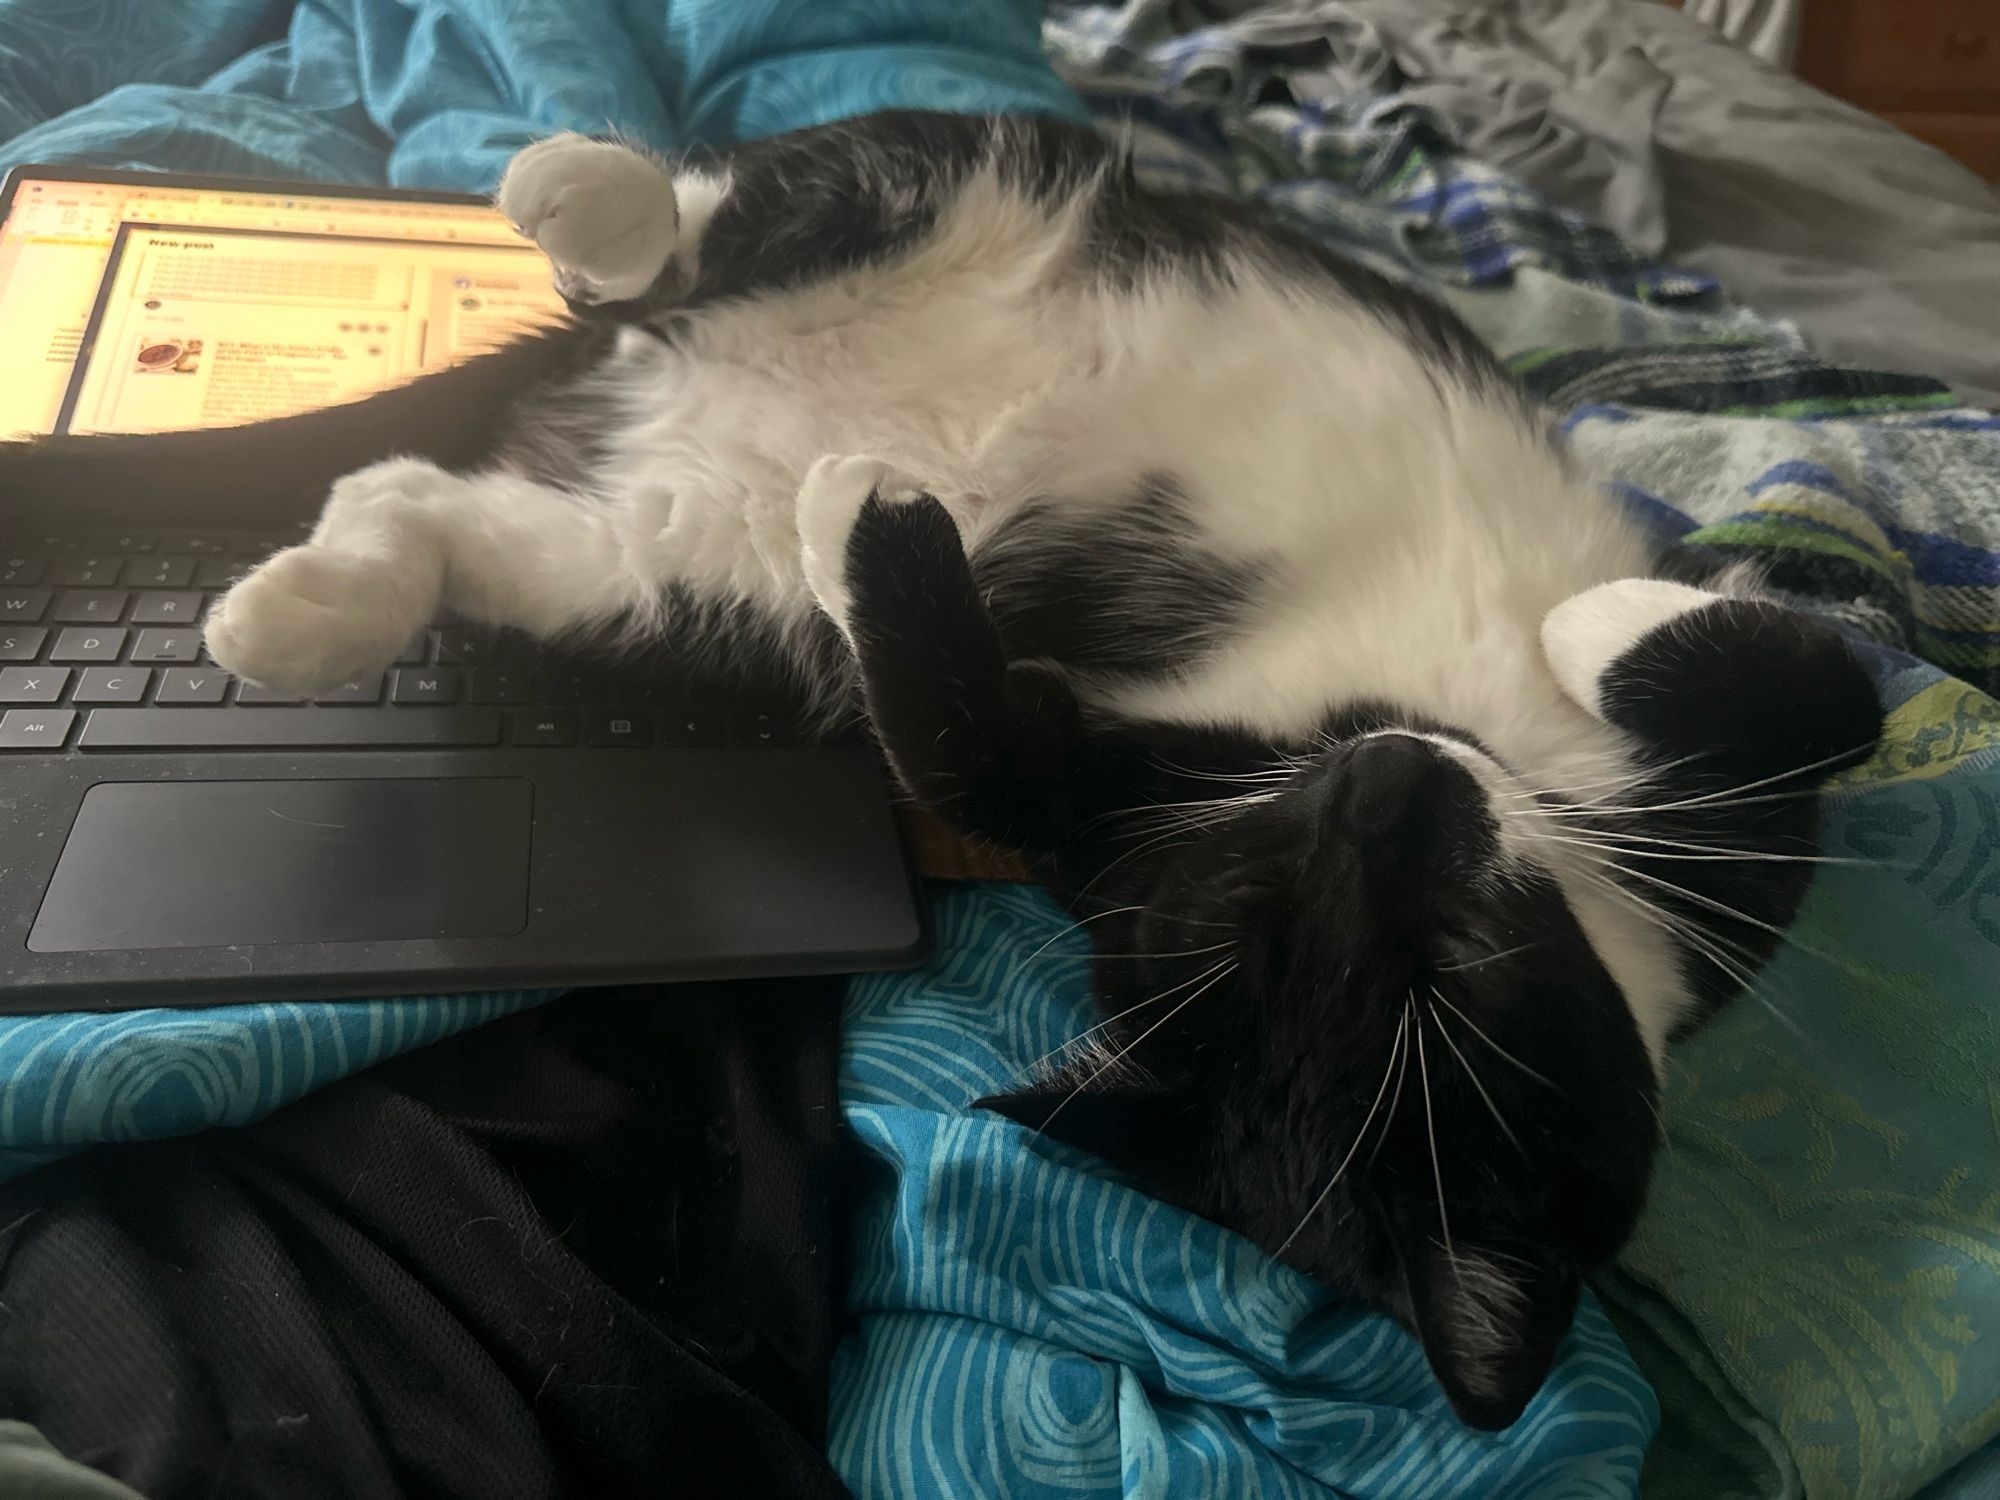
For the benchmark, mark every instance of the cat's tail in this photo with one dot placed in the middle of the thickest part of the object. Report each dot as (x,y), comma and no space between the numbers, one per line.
(271,475)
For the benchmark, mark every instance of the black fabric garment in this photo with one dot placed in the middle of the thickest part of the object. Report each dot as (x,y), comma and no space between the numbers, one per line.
(586,1251)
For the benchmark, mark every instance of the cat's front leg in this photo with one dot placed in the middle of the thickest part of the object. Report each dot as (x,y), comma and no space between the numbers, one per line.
(346,602)
(401,542)
(607,216)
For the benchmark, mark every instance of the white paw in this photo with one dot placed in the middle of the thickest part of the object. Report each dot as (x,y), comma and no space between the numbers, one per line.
(604,214)
(1583,636)
(310,618)
(830,502)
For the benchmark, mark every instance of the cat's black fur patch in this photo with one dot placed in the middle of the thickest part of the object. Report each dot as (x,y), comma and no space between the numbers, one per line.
(1080,585)
(806,207)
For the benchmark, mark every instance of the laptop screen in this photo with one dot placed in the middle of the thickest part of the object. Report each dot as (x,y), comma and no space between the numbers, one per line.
(143,307)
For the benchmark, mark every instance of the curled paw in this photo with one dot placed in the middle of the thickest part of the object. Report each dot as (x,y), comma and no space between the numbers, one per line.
(603,213)
(830,503)
(310,618)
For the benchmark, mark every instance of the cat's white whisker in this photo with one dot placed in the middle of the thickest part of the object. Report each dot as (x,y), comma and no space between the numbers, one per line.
(1178,953)
(1080,922)
(1479,1032)
(1626,843)
(1490,958)
(1430,1130)
(1396,1047)
(1109,1063)
(1082,1037)
(1473,1074)
(1723,798)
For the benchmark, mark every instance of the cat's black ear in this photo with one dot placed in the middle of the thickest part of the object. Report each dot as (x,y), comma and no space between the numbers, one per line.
(1140,1128)
(1490,1325)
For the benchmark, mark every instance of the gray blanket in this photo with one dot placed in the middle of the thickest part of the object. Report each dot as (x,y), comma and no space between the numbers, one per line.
(1884,252)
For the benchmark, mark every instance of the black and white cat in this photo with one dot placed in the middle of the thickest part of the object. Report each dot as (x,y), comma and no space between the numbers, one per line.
(1240,588)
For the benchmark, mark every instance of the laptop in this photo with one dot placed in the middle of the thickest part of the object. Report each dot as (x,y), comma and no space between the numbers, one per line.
(486,813)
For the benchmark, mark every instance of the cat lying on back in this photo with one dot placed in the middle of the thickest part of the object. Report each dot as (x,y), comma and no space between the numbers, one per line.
(1240,588)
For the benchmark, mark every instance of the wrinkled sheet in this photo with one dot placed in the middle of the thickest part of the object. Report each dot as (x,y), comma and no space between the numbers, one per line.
(1884,251)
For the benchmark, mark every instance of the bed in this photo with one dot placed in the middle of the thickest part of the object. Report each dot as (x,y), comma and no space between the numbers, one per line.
(1812,1306)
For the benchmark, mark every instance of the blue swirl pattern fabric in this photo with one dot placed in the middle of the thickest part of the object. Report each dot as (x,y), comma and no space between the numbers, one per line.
(69,1081)
(1028,1326)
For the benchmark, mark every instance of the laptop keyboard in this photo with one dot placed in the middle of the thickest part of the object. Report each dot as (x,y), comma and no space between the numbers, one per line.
(100,650)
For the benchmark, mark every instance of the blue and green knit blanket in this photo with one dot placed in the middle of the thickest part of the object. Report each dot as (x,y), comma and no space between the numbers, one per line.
(1823,1250)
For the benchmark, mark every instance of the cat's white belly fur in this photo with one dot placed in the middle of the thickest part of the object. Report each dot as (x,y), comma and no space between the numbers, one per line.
(1416,537)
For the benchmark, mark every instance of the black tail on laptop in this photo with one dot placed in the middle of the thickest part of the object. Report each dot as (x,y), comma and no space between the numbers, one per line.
(268,475)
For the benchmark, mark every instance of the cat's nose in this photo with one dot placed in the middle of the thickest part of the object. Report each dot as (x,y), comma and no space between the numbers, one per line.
(1394,787)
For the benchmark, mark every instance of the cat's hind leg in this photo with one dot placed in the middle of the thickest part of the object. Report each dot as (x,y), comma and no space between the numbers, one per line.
(400,543)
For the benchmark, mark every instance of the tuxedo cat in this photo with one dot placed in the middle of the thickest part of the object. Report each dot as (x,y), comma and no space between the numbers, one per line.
(1413,812)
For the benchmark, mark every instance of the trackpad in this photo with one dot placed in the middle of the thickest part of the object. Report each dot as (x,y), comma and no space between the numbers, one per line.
(202,864)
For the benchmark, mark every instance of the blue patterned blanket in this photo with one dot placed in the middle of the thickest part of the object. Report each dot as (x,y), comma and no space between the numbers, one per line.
(1825,1244)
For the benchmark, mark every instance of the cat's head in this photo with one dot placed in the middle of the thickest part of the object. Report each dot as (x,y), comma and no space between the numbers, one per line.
(1379,1009)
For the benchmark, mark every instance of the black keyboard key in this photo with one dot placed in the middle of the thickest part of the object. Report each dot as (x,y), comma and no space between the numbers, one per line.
(627,691)
(425,685)
(160,573)
(23,604)
(90,606)
(499,685)
(416,653)
(32,684)
(264,544)
(166,609)
(82,643)
(22,572)
(123,541)
(361,690)
(87,570)
(571,685)
(191,686)
(466,648)
(753,727)
(197,544)
(549,726)
(268,697)
(693,726)
(58,541)
(167,646)
(286,729)
(35,728)
(21,645)
(220,572)
(619,726)
(112,685)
